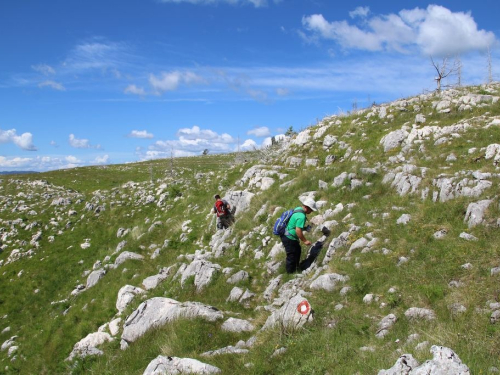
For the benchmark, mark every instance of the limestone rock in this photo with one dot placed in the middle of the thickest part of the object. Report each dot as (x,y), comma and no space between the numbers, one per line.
(125,295)
(393,139)
(237,325)
(158,311)
(203,272)
(475,212)
(94,278)
(237,277)
(174,365)
(385,325)
(420,313)
(328,282)
(288,316)
(87,346)
(126,255)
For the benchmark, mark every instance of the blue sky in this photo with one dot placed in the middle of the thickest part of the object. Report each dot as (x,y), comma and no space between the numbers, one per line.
(104,82)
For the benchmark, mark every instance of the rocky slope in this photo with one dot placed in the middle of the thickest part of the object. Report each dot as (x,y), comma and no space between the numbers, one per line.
(406,235)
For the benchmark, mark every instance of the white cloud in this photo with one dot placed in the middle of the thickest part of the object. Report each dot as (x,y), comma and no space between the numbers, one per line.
(191,141)
(434,31)
(72,159)
(101,159)
(195,133)
(140,134)
(446,33)
(52,84)
(249,145)
(262,131)
(98,54)
(171,81)
(359,12)
(23,141)
(54,144)
(15,162)
(133,89)
(80,142)
(44,69)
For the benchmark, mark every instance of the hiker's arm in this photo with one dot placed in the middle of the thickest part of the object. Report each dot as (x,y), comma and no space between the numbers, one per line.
(300,234)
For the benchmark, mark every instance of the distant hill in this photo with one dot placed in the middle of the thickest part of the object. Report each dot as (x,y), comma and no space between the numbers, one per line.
(17,172)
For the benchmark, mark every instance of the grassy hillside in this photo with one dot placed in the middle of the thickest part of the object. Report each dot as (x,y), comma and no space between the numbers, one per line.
(406,266)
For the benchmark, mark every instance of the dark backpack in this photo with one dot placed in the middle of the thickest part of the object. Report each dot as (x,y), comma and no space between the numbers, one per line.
(221,208)
(280,225)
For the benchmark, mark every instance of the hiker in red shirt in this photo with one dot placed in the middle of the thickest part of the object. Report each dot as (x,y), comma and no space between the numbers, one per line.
(222,209)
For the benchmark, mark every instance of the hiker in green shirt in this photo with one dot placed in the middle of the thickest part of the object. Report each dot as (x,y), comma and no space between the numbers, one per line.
(294,233)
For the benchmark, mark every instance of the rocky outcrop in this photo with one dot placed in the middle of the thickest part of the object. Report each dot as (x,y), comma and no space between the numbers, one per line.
(174,365)
(291,316)
(158,311)
(444,362)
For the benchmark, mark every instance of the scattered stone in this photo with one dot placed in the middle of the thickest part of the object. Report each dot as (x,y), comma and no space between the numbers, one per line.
(88,345)
(237,325)
(126,255)
(385,325)
(125,295)
(94,278)
(417,313)
(468,237)
(475,212)
(175,365)
(328,282)
(288,316)
(237,277)
(404,219)
(444,362)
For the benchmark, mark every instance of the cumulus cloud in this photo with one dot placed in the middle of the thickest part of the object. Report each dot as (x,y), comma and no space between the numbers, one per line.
(262,131)
(72,159)
(101,159)
(198,134)
(359,12)
(249,145)
(172,80)
(47,163)
(44,69)
(53,85)
(23,141)
(15,162)
(81,142)
(434,31)
(133,89)
(140,134)
(190,142)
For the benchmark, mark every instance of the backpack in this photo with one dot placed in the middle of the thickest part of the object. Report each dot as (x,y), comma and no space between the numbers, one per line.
(280,224)
(221,208)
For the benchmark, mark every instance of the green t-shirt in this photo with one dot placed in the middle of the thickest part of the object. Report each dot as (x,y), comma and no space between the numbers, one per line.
(298,220)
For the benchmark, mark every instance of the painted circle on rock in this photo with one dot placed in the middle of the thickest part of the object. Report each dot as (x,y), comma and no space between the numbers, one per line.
(304,307)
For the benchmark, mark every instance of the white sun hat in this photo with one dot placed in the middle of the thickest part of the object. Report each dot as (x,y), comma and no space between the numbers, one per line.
(309,202)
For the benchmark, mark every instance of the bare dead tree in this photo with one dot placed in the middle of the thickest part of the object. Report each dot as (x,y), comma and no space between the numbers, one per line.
(443,70)
(458,64)
(490,75)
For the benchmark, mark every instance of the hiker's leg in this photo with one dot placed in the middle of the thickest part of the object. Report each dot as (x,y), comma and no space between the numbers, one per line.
(224,221)
(292,249)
